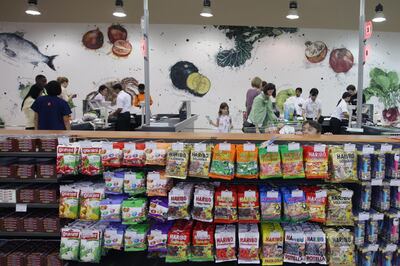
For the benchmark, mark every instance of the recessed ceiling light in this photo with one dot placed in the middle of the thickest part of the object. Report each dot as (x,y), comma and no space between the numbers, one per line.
(206,12)
(32,9)
(119,9)
(379,16)
(293,12)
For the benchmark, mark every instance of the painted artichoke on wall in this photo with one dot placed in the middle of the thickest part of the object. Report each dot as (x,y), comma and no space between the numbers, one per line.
(244,38)
(385,86)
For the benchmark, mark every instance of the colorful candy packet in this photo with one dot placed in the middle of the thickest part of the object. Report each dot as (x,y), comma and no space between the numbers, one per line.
(91,161)
(340,207)
(390,228)
(114,236)
(69,244)
(295,206)
(246,161)
(202,242)
(316,199)
(200,158)
(158,184)
(272,244)
(158,209)
(295,244)
(68,158)
(381,197)
(225,209)
(156,153)
(378,165)
(157,239)
(223,162)
(248,204)
(393,164)
(90,198)
(249,244)
(316,161)
(90,245)
(292,161)
(203,203)
(373,227)
(114,182)
(178,244)
(177,161)
(135,237)
(225,243)
(270,162)
(133,155)
(341,249)
(69,202)
(134,183)
(271,204)
(111,154)
(179,199)
(360,227)
(110,210)
(134,210)
(343,164)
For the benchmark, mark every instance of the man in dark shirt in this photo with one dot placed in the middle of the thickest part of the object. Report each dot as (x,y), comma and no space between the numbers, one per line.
(52,112)
(353,99)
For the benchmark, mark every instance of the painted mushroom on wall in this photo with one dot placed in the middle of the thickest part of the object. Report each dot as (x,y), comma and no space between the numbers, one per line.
(341,60)
(185,76)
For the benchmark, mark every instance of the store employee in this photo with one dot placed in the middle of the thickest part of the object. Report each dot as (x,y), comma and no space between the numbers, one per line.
(123,109)
(340,114)
(312,107)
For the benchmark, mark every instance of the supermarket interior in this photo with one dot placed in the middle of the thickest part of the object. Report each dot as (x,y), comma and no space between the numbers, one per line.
(202,132)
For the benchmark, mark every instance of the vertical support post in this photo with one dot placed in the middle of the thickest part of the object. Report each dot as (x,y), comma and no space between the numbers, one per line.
(361,45)
(146,60)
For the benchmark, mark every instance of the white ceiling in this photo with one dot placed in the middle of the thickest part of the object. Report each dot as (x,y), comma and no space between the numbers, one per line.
(330,14)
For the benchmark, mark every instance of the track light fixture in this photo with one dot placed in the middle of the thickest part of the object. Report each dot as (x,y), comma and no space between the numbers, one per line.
(32,9)
(293,12)
(206,12)
(379,16)
(119,9)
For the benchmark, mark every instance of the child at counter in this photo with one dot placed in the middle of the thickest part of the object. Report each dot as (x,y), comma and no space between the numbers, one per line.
(224,121)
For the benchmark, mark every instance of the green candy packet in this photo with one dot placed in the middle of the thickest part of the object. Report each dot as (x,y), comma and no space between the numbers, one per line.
(135,238)
(134,210)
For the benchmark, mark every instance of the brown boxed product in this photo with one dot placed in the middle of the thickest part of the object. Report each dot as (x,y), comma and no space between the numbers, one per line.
(46,168)
(26,144)
(6,249)
(18,257)
(33,222)
(26,168)
(14,222)
(28,194)
(53,258)
(8,167)
(39,255)
(51,223)
(3,214)
(47,144)
(48,194)
(8,144)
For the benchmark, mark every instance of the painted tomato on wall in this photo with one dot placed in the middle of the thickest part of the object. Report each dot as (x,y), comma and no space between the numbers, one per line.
(341,60)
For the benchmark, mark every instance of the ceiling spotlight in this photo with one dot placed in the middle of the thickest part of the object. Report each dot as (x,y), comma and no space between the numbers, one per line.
(119,9)
(32,8)
(206,12)
(379,16)
(293,13)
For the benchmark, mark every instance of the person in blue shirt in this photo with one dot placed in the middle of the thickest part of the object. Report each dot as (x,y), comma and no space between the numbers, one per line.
(52,112)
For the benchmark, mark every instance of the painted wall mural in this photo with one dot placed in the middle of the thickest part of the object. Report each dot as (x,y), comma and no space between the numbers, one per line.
(205,64)
(18,49)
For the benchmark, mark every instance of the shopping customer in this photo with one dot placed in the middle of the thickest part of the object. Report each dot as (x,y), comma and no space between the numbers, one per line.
(64,91)
(312,107)
(224,121)
(140,98)
(311,127)
(262,113)
(340,113)
(297,101)
(101,94)
(34,92)
(52,112)
(122,113)
(41,81)
(253,92)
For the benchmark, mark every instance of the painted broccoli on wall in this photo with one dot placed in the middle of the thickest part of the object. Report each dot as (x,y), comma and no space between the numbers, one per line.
(244,38)
(385,86)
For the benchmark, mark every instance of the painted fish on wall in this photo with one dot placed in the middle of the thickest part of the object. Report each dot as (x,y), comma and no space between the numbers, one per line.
(19,49)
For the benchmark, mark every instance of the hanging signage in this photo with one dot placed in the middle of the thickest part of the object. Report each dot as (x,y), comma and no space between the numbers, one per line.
(368,30)
(143,47)
(367,52)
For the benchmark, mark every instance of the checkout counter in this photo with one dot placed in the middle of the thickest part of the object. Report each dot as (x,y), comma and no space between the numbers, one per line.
(96,119)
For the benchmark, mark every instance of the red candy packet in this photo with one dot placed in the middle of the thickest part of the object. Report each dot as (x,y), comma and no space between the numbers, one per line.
(316,161)
(248,204)
(249,244)
(225,209)
(133,155)
(178,244)
(225,243)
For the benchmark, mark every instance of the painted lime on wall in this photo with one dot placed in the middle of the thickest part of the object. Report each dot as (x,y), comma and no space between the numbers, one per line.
(18,49)
(245,38)
(385,86)
(185,76)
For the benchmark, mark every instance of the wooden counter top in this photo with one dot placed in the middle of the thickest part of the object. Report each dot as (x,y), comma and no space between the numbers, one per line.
(206,136)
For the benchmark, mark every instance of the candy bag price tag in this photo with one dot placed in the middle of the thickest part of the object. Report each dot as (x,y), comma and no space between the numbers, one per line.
(63,140)
(294,146)
(107,146)
(272,194)
(226,194)
(364,216)
(368,149)
(320,194)
(395,182)
(177,146)
(386,148)
(319,147)
(202,234)
(376,182)
(225,146)
(249,147)
(347,194)
(348,147)
(297,193)
(249,194)
(272,148)
(151,145)
(130,146)
(200,147)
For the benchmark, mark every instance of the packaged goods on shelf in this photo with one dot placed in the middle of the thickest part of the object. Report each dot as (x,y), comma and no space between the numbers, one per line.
(387,254)
(292,161)
(378,165)
(114,236)
(91,164)
(157,184)
(68,159)
(178,244)
(200,159)
(110,209)
(225,209)
(134,210)
(271,204)
(316,161)
(111,154)
(90,245)
(8,144)
(248,204)
(247,161)
(364,166)
(202,242)
(114,182)
(373,227)
(367,255)
(46,168)
(340,207)
(177,161)
(295,244)
(315,244)
(340,246)
(156,153)
(249,244)
(26,168)
(343,164)
(316,199)
(90,197)
(47,143)
(225,243)
(36,221)
(8,167)
(69,202)
(272,244)
(393,163)
(395,197)
(360,222)
(134,155)
(365,196)
(223,161)
(203,203)
(26,144)
(158,209)
(135,237)
(390,227)
(381,197)
(179,201)
(157,239)
(295,205)
(70,243)
(134,183)
(270,162)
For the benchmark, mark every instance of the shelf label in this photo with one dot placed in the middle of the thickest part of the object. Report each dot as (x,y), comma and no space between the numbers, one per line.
(21,207)
(294,146)
(376,182)
(347,194)
(319,147)
(363,216)
(367,149)
(63,140)
(320,194)
(249,147)
(272,194)
(224,146)
(297,193)
(348,147)
(395,182)
(272,148)
(178,146)
(200,147)
(386,148)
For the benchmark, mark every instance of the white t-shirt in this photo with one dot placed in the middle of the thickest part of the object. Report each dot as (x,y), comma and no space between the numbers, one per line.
(341,108)
(124,101)
(99,98)
(312,108)
(224,124)
(298,103)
